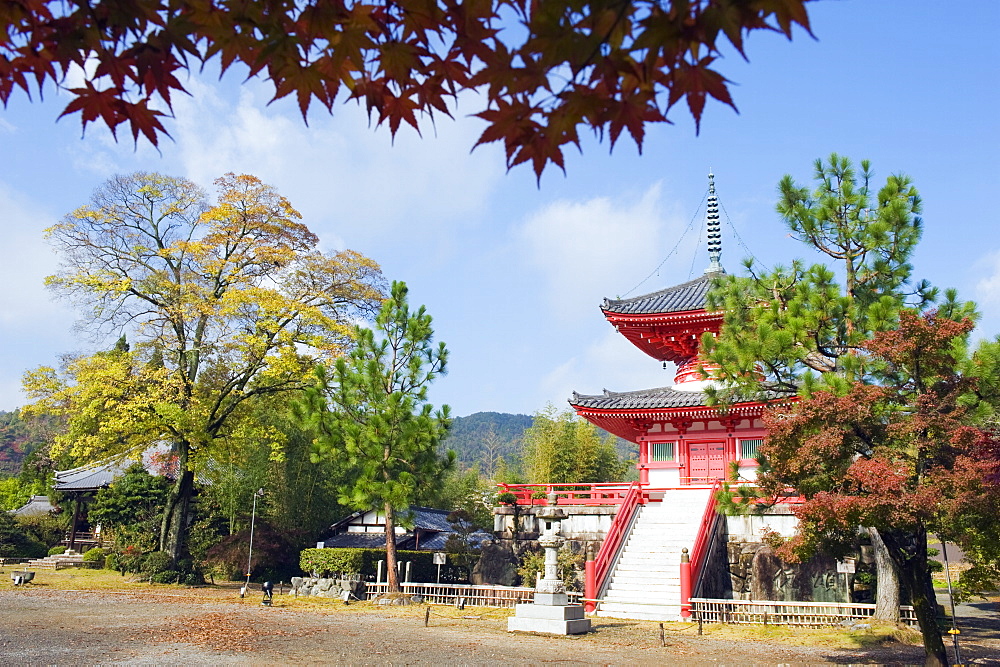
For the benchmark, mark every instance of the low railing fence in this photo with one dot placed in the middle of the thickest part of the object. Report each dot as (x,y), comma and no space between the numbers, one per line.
(567,494)
(765,612)
(467,594)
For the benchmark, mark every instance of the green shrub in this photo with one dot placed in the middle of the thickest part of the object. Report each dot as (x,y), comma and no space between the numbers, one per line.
(96,556)
(55,551)
(156,562)
(130,560)
(507,498)
(47,529)
(273,556)
(533,562)
(194,579)
(15,542)
(111,562)
(164,576)
(364,562)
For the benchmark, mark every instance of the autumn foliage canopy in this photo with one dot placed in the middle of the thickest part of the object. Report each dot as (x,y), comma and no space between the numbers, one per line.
(899,455)
(544,67)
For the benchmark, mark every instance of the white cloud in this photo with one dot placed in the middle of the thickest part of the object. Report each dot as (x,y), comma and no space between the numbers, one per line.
(340,173)
(600,246)
(22,273)
(608,362)
(32,324)
(987,288)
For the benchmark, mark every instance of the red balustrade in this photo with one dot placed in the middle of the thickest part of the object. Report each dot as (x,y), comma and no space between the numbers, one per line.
(597,571)
(567,494)
(691,571)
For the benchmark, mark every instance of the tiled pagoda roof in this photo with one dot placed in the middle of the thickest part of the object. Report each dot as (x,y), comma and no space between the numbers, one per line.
(643,399)
(686,296)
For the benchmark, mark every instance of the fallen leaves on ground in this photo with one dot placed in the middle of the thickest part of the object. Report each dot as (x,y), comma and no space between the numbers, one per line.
(224,632)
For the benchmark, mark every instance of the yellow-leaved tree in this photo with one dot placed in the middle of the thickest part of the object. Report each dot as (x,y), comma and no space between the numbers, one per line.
(224,304)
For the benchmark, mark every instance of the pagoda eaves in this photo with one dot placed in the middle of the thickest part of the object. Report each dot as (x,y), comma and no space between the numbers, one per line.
(668,324)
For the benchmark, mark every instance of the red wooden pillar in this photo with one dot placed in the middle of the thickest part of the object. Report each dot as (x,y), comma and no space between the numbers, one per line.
(590,585)
(644,462)
(685,583)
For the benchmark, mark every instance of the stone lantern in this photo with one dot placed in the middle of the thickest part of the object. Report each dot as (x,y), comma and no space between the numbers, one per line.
(550,613)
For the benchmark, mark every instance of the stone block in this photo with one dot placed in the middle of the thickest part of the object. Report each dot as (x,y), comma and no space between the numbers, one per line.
(548,626)
(551,599)
(563,613)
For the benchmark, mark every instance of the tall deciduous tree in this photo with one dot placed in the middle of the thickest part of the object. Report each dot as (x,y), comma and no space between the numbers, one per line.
(226,303)
(560,447)
(898,454)
(373,413)
(607,65)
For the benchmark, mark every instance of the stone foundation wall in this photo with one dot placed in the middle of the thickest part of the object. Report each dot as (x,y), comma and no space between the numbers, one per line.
(327,588)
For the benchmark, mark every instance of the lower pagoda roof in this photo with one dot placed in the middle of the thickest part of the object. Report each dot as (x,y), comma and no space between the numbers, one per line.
(630,414)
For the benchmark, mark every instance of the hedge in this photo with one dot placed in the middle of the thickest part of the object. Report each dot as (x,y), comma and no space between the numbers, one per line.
(353,562)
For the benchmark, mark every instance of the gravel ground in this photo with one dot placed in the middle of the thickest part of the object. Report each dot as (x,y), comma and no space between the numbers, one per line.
(207,626)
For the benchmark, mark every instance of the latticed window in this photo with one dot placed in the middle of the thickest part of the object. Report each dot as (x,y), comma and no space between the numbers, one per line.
(661,451)
(748,448)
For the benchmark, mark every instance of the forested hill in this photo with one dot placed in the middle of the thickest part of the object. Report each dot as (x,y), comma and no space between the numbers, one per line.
(18,439)
(486,435)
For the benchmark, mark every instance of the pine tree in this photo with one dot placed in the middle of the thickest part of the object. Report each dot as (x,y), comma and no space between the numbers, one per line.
(794,330)
(372,412)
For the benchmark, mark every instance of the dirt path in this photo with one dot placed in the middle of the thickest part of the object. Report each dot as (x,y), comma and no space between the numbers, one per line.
(202,626)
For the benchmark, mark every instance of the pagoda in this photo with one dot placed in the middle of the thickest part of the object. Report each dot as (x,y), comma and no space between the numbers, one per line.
(682,440)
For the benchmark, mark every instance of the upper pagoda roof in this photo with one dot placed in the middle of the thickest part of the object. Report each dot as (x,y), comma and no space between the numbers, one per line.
(679,298)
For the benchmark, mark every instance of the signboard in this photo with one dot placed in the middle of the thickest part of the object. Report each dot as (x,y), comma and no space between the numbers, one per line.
(845,566)
(440,558)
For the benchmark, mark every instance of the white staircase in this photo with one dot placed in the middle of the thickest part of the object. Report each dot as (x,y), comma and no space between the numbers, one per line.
(69,558)
(645,583)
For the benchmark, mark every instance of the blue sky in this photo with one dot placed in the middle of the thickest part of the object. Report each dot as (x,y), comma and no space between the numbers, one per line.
(514,273)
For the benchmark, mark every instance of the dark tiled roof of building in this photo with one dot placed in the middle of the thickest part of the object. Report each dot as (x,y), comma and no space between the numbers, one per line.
(37,506)
(99,475)
(430,524)
(424,518)
(644,399)
(679,298)
(89,477)
(358,541)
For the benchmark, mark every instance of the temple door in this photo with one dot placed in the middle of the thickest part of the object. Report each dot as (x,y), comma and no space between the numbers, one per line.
(707,461)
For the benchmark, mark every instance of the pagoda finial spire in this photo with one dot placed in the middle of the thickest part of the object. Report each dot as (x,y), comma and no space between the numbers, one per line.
(714,229)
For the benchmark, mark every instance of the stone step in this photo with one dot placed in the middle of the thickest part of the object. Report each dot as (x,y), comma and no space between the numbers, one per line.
(646,581)
(638,587)
(640,612)
(647,575)
(650,600)
(641,567)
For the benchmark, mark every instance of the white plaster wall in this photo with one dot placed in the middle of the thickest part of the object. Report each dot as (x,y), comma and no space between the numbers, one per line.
(664,477)
(750,528)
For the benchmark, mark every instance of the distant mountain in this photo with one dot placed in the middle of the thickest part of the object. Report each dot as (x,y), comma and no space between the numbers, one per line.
(17,439)
(485,435)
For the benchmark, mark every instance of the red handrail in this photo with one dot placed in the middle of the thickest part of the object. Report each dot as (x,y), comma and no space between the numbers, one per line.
(698,554)
(569,494)
(601,568)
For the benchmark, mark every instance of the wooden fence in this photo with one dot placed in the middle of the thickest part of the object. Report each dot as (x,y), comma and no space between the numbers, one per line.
(473,596)
(764,612)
